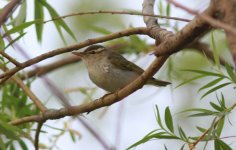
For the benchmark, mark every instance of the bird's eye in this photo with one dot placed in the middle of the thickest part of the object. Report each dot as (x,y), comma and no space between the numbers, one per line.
(92,52)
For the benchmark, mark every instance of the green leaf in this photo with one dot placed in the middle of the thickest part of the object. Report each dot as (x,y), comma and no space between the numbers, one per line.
(220,145)
(2,44)
(215,53)
(21,16)
(201,112)
(22,145)
(220,127)
(230,72)
(168,120)
(165,147)
(201,129)
(168,9)
(210,84)
(8,130)
(164,136)
(58,23)
(215,88)
(206,73)
(14,40)
(182,147)
(38,15)
(100,30)
(72,136)
(160,7)
(2,144)
(144,140)
(190,80)
(21,27)
(158,117)
(216,107)
(222,101)
(182,134)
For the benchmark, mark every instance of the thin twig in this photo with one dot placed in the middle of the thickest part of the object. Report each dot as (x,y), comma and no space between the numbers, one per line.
(36,141)
(41,70)
(116,12)
(12,60)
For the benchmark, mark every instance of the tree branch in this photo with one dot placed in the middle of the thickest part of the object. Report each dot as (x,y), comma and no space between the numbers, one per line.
(7,10)
(38,130)
(39,71)
(116,12)
(194,29)
(5,76)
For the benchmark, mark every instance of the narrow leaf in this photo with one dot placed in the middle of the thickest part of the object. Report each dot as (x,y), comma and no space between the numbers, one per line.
(144,140)
(158,117)
(220,127)
(210,84)
(220,145)
(21,16)
(53,13)
(14,40)
(201,129)
(215,88)
(190,80)
(182,147)
(216,107)
(38,15)
(182,134)
(100,30)
(21,27)
(207,73)
(169,120)
(2,144)
(2,44)
(22,145)
(230,72)
(215,53)
(165,147)
(168,9)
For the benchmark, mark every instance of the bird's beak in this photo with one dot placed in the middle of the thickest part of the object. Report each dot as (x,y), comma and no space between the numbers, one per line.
(80,54)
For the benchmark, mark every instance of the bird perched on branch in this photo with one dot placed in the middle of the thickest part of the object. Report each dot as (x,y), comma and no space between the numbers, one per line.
(111,71)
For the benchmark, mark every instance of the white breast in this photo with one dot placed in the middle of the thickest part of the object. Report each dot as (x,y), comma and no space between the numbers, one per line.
(108,77)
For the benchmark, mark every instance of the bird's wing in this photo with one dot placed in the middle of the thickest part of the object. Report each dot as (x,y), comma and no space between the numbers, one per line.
(120,62)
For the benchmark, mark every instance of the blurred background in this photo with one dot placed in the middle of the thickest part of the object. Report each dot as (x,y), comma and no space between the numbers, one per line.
(126,122)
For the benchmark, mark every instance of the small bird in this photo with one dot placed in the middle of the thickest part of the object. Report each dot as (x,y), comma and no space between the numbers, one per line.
(111,71)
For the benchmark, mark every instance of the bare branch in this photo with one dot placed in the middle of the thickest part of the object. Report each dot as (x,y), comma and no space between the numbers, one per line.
(39,71)
(12,60)
(5,76)
(116,12)
(194,29)
(7,10)
(38,130)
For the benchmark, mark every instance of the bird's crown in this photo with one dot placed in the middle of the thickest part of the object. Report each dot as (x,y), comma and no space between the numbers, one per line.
(94,49)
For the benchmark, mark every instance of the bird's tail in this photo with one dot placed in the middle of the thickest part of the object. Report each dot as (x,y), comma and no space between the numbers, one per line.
(156,82)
